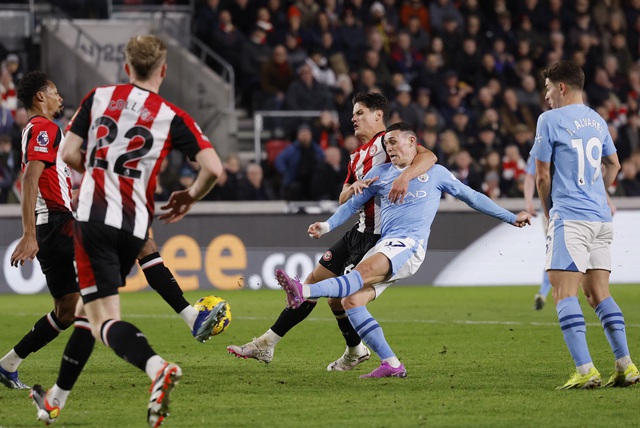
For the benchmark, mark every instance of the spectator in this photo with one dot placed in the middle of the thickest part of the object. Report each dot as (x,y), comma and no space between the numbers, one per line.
(415,9)
(351,37)
(629,136)
(275,77)
(404,105)
(322,73)
(255,53)
(20,121)
(513,167)
(227,40)
(328,131)
(487,142)
(406,59)
(6,119)
(207,17)
(463,127)
(372,61)
(8,90)
(628,183)
(12,64)
(420,39)
(449,148)
(523,138)
(243,13)
(296,163)
(253,187)
(296,54)
(467,61)
(328,176)
(278,18)
(467,170)
(512,113)
(439,10)
(342,105)
(309,10)
(305,93)
(528,94)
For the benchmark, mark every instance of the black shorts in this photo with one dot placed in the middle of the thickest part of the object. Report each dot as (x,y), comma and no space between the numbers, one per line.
(55,254)
(104,256)
(348,251)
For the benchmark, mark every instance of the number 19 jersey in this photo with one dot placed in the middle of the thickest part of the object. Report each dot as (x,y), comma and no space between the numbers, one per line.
(574,139)
(128,131)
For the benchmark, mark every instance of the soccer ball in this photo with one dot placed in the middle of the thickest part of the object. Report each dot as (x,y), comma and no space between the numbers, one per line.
(208,303)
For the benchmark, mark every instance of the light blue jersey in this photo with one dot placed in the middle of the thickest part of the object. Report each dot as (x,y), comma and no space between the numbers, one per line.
(531,166)
(413,218)
(574,139)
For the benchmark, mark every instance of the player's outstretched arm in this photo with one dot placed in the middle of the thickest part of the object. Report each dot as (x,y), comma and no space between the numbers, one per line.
(423,161)
(355,188)
(180,202)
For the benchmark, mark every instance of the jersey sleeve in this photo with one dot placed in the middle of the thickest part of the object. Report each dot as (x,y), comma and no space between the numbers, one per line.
(542,148)
(608,146)
(43,143)
(187,136)
(476,200)
(81,120)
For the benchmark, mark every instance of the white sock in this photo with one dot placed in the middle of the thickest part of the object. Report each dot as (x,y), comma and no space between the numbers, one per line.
(306,291)
(57,397)
(153,366)
(622,363)
(269,338)
(11,361)
(393,361)
(584,369)
(357,350)
(189,315)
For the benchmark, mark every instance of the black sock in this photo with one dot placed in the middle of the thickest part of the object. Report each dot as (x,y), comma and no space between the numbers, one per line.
(76,354)
(348,332)
(289,318)
(127,342)
(161,279)
(44,331)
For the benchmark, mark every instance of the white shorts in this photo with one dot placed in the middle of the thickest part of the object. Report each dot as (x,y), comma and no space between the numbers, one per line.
(577,246)
(406,256)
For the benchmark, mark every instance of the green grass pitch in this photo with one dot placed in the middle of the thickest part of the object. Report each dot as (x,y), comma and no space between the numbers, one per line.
(476,356)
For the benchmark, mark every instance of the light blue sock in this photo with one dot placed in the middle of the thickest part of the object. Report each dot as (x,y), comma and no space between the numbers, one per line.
(614,328)
(574,329)
(369,331)
(545,286)
(341,286)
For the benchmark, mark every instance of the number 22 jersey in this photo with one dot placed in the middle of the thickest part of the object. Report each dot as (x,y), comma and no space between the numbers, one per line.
(128,131)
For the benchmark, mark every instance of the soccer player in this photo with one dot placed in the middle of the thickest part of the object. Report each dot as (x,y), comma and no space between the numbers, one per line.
(129,129)
(47,219)
(576,140)
(529,187)
(401,248)
(369,114)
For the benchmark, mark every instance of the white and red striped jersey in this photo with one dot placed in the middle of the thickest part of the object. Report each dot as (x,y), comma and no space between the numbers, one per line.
(362,160)
(129,131)
(40,142)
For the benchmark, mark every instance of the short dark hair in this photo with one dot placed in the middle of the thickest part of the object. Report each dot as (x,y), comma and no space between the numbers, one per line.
(567,72)
(30,84)
(402,127)
(373,101)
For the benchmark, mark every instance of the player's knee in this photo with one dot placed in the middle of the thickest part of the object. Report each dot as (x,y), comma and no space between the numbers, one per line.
(335,304)
(353,301)
(149,248)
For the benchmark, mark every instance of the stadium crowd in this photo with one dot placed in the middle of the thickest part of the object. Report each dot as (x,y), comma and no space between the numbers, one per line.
(465,73)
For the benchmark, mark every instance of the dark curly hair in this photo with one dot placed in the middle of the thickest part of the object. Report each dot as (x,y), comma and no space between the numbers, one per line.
(373,101)
(32,83)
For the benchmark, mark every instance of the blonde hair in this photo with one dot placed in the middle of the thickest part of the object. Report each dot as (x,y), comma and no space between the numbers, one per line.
(145,54)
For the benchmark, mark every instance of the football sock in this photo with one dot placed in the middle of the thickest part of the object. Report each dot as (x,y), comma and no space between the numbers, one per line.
(614,327)
(341,286)
(189,315)
(269,338)
(76,354)
(127,342)
(289,318)
(161,279)
(153,366)
(44,331)
(11,361)
(393,362)
(622,363)
(348,332)
(584,369)
(370,331)
(545,285)
(574,329)
(57,397)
